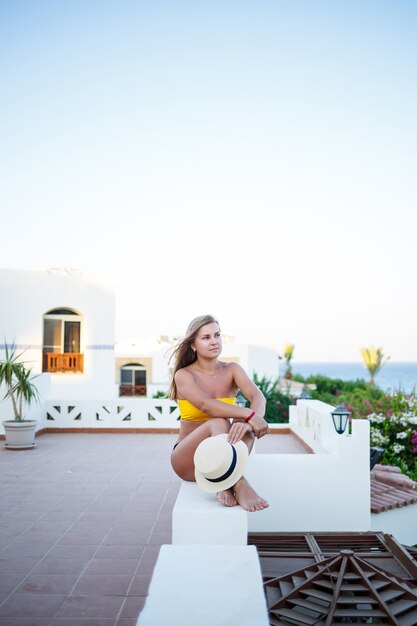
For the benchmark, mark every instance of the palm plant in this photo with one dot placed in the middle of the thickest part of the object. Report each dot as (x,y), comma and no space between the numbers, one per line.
(288,354)
(374,360)
(18,380)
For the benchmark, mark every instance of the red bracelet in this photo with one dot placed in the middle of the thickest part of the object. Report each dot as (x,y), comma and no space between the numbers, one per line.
(249,417)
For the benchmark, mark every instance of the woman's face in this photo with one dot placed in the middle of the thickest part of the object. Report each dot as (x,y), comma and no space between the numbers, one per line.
(208,342)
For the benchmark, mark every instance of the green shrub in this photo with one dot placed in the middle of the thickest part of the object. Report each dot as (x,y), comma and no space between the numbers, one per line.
(160,394)
(392,416)
(393,422)
(277,403)
(335,390)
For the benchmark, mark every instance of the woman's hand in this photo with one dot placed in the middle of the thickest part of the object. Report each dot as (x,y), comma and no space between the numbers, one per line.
(259,426)
(238,430)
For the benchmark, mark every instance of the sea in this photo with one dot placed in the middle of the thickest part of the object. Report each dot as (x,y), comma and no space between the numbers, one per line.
(393,376)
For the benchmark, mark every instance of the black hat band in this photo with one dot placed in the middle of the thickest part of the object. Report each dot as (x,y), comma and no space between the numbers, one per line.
(229,471)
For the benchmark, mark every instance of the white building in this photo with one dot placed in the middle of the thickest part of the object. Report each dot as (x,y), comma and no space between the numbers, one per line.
(143,367)
(65,323)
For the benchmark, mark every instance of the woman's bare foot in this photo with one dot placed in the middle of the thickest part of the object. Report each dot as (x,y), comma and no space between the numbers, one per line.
(227,498)
(247,497)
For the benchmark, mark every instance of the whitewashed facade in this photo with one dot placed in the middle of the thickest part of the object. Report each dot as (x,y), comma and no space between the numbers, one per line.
(154,355)
(61,320)
(64,323)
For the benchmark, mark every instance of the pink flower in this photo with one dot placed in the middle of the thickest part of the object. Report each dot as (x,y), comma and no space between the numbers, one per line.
(414,442)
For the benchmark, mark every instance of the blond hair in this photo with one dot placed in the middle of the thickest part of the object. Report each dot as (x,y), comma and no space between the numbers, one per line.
(183,353)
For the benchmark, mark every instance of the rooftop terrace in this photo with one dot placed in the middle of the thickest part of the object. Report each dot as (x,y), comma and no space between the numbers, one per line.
(83,517)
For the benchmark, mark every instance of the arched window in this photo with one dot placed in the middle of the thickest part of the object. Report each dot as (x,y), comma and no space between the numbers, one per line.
(133,380)
(62,341)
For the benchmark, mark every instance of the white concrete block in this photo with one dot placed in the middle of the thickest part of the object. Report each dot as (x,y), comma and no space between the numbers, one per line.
(199,518)
(401,522)
(206,585)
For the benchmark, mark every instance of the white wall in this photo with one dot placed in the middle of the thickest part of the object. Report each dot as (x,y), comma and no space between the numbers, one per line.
(400,522)
(160,368)
(325,491)
(28,295)
(263,361)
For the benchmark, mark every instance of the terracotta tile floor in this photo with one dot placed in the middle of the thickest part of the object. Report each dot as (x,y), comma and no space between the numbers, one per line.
(82,518)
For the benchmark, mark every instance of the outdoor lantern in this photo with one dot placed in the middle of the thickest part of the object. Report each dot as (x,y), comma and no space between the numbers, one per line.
(376,455)
(240,400)
(340,418)
(304,395)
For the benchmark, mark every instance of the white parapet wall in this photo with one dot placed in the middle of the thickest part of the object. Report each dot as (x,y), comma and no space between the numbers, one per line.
(311,420)
(328,490)
(400,522)
(123,413)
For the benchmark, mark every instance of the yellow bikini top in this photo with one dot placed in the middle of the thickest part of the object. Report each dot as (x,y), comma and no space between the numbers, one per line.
(191,413)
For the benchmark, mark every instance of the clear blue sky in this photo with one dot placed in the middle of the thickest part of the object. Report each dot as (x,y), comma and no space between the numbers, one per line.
(251,159)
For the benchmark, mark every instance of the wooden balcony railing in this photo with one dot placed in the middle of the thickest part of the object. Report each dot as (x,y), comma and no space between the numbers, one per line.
(67,362)
(132,390)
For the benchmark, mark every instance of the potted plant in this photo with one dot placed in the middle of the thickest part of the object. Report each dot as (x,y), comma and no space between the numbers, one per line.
(20,389)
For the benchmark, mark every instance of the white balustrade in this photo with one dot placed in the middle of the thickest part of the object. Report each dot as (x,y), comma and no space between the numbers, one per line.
(121,413)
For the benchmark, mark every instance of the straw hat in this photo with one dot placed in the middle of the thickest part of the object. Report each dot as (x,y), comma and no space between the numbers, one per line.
(219,464)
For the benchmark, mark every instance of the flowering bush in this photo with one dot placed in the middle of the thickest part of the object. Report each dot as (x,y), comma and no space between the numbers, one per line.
(393,422)
(392,416)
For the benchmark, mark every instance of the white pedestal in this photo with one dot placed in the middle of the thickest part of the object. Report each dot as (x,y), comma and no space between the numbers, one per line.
(199,518)
(206,585)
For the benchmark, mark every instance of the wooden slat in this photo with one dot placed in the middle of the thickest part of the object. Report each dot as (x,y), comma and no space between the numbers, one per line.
(402,555)
(353,576)
(380,584)
(315,593)
(410,619)
(285,587)
(273,595)
(295,615)
(312,606)
(356,613)
(353,588)
(391,594)
(399,606)
(355,600)
(325,583)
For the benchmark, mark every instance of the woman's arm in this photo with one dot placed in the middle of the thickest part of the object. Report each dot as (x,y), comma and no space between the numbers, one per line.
(189,390)
(249,389)
(257,404)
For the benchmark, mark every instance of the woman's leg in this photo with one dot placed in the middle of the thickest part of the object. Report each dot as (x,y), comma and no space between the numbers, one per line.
(244,493)
(247,497)
(182,458)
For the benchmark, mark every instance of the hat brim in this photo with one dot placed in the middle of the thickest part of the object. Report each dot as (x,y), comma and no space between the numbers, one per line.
(242,459)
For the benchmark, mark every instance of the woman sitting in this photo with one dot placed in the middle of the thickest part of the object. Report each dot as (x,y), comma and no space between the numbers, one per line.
(205,389)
